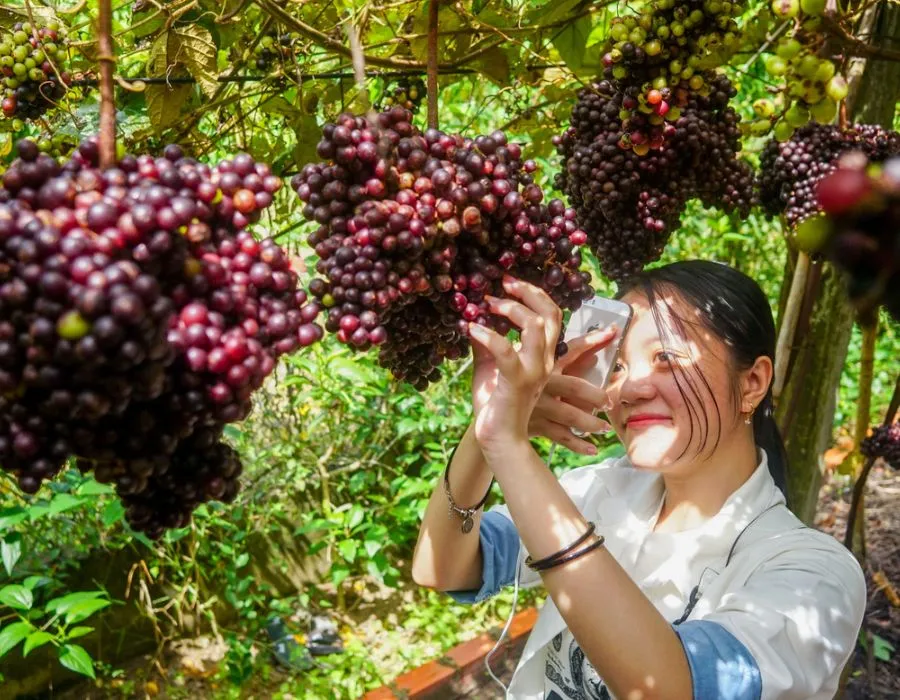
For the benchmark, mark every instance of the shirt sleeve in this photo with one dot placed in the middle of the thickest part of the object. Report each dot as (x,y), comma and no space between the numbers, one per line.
(499,555)
(798,616)
(721,667)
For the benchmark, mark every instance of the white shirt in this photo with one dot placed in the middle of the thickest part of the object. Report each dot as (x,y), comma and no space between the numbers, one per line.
(793,596)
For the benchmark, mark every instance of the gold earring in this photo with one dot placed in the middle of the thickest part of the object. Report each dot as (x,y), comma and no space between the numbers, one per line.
(749,419)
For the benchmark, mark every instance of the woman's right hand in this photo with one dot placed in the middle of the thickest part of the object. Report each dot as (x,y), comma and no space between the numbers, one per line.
(569,400)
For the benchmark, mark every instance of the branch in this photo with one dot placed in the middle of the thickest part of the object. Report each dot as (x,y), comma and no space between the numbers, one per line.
(855,46)
(107,58)
(432,85)
(297,25)
(784,346)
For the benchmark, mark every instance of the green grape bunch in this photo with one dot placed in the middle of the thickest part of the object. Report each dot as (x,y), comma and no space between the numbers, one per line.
(669,51)
(31,75)
(812,86)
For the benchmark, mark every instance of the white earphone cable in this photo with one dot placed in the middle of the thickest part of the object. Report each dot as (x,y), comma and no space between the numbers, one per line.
(512,612)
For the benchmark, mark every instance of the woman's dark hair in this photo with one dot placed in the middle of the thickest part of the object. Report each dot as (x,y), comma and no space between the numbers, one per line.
(734,308)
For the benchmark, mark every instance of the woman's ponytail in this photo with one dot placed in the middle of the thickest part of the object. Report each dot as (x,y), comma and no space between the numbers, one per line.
(768,437)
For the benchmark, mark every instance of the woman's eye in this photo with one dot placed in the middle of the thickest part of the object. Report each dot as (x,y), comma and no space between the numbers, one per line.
(663,356)
(618,367)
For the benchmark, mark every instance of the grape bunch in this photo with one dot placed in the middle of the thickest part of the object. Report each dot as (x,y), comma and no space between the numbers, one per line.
(812,87)
(137,317)
(884,442)
(669,50)
(271,50)
(416,228)
(859,230)
(406,93)
(790,170)
(628,180)
(31,66)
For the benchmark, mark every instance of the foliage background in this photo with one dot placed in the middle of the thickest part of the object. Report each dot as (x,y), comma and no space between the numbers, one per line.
(338,457)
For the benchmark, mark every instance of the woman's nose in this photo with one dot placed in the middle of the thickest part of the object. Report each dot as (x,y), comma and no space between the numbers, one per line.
(636,385)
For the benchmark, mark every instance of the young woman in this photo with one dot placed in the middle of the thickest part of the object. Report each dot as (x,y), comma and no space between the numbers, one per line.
(676,571)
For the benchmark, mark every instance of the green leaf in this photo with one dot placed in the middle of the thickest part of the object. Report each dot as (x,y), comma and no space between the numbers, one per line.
(36,639)
(84,609)
(571,43)
(33,582)
(11,516)
(38,511)
(79,631)
(356,515)
(372,547)
(882,648)
(64,604)
(16,596)
(12,635)
(164,102)
(112,513)
(242,560)
(197,51)
(94,488)
(77,659)
(348,549)
(10,551)
(479,5)
(339,572)
(63,502)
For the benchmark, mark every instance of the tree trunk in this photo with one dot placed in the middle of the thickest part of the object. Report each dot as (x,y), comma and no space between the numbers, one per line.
(809,399)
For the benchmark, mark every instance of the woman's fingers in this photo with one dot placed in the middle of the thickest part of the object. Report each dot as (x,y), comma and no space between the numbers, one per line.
(540,302)
(499,348)
(586,346)
(577,390)
(563,436)
(534,344)
(570,416)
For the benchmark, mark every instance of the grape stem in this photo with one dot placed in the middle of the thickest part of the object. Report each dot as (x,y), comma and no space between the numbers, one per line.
(784,346)
(107,59)
(770,39)
(860,485)
(431,86)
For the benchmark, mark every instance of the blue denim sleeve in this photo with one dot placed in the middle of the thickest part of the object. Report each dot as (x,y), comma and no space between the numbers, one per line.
(499,554)
(721,667)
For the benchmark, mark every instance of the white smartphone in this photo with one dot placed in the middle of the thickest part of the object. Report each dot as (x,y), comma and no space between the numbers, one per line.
(597,313)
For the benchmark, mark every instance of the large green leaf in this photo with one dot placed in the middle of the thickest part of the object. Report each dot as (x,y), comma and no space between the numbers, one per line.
(12,635)
(36,639)
(84,609)
(76,659)
(64,604)
(16,596)
(197,51)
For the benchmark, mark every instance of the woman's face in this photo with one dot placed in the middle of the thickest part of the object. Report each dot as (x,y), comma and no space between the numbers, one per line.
(670,396)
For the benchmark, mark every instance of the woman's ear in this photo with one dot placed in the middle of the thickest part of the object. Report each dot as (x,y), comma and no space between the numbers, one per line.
(755,383)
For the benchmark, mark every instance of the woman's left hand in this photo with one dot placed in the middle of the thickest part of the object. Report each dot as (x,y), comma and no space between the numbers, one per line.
(501,419)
